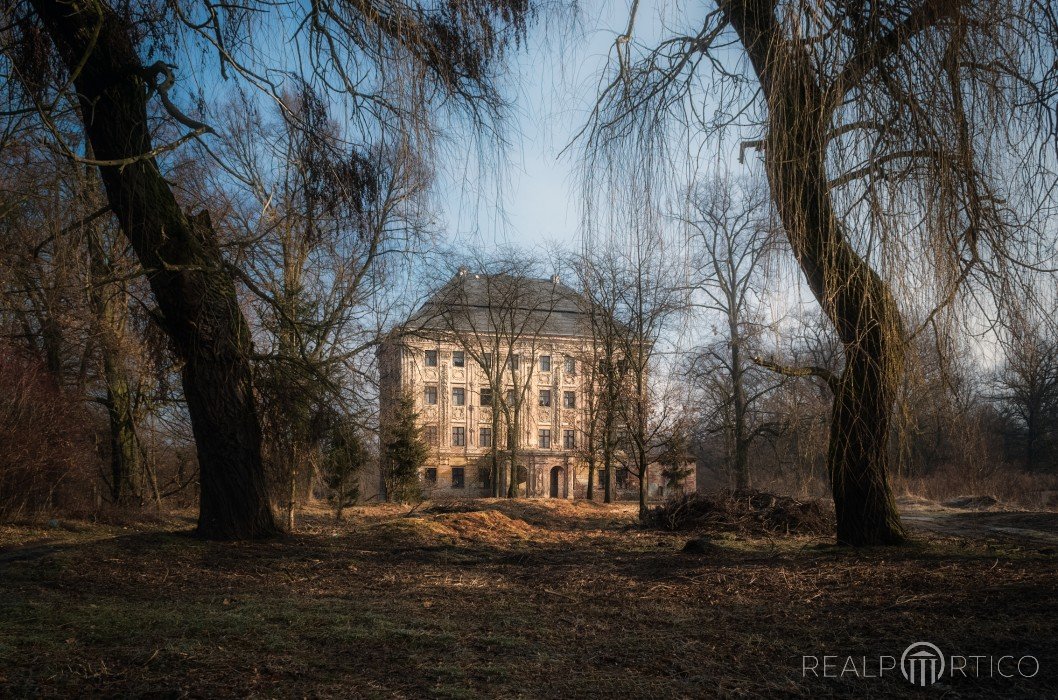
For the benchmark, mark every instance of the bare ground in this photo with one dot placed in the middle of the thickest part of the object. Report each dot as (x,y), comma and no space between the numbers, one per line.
(524,599)
(1030,528)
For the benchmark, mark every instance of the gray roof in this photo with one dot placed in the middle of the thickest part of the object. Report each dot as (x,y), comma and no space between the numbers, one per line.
(485,303)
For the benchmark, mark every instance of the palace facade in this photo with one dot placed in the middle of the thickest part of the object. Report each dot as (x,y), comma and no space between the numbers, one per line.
(497,343)
(446,357)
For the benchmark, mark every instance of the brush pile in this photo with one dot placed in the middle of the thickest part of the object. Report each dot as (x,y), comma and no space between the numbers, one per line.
(744,512)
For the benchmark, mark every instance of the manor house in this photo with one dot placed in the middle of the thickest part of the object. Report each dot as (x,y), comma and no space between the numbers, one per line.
(448,357)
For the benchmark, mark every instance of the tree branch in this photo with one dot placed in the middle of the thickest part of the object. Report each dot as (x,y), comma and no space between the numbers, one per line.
(809,371)
(871,57)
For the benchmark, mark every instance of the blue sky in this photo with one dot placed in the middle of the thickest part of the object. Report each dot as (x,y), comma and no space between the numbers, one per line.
(536,198)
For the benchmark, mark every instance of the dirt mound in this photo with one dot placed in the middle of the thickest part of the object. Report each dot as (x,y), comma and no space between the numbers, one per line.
(972,502)
(747,512)
(490,526)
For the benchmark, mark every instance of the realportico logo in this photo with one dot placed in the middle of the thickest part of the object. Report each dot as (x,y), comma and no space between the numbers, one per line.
(921,664)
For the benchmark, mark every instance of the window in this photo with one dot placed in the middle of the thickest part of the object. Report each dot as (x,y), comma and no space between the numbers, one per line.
(430,395)
(545,439)
(430,435)
(545,397)
(622,478)
(459,437)
(431,358)
(486,360)
(486,397)
(459,358)
(601,477)
(569,399)
(545,363)
(431,475)
(510,397)
(457,477)
(514,363)
(571,365)
(569,439)
(485,437)
(459,396)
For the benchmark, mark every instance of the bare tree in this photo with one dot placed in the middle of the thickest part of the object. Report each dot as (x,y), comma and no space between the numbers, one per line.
(109,299)
(321,225)
(728,224)
(1026,389)
(641,277)
(601,360)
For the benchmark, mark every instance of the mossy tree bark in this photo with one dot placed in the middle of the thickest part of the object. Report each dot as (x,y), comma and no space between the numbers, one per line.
(855,299)
(109,301)
(195,292)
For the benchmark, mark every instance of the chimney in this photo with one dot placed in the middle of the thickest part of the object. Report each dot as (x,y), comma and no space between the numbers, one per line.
(462,270)
(555,279)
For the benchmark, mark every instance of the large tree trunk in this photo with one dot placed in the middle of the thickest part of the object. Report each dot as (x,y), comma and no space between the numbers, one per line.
(195,293)
(851,294)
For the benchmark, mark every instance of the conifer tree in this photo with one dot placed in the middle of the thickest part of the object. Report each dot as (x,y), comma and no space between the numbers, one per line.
(342,463)
(404,454)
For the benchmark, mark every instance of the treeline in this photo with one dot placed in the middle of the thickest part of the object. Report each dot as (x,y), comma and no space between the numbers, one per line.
(204,232)
(964,422)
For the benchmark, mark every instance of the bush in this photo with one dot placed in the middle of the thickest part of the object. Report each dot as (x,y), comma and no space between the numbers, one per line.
(46,453)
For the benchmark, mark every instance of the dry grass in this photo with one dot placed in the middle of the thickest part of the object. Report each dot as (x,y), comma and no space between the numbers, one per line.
(500,599)
(1010,487)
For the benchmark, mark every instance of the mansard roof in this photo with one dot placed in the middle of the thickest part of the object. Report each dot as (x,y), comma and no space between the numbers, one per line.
(485,303)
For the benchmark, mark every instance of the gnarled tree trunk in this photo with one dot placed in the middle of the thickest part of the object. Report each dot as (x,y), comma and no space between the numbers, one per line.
(195,293)
(856,300)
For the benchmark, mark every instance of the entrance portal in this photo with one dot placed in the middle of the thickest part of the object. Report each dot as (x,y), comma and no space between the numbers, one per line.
(556,481)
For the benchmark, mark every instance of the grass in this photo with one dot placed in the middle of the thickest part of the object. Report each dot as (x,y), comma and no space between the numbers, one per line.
(525,599)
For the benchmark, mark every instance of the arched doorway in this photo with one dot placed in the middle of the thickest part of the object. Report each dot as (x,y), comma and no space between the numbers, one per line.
(556,482)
